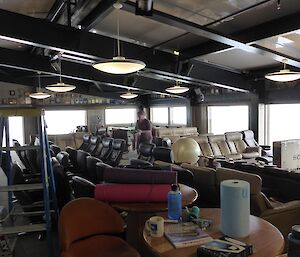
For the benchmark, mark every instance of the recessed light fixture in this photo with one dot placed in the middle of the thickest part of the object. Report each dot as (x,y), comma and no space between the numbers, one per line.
(39,94)
(60,87)
(129,95)
(177,89)
(119,64)
(284,75)
(176,52)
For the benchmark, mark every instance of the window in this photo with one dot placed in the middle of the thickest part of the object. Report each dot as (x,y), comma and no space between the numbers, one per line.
(64,122)
(178,115)
(120,116)
(223,119)
(282,122)
(160,115)
(16,130)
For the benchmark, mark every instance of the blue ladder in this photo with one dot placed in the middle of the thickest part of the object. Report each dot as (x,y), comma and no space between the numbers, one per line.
(47,175)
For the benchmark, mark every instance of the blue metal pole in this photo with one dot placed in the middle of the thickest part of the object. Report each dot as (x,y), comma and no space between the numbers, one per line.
(45,187)
(9,171)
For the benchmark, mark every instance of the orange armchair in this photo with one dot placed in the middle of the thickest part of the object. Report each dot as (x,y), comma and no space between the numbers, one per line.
(91,228)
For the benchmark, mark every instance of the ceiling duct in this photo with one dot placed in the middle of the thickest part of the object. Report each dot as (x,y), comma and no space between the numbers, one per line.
(144,7)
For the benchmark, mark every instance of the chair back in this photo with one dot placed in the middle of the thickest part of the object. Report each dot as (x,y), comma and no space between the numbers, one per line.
(118,148)
(86,217)
(106,148)
(145,151)
(91,168)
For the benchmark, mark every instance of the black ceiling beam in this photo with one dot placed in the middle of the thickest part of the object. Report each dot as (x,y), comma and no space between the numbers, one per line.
(202,31)
(41,33)
(31,31)
(268,29)
(27,62)
(103,9)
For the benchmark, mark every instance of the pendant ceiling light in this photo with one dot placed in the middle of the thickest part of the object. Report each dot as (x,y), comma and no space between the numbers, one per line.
(177,89)
(119,64)
(39,94)
(60,87)
(129,95)
(284,75)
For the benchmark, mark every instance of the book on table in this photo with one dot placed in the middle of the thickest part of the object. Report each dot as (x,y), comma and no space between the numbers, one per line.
(185,235)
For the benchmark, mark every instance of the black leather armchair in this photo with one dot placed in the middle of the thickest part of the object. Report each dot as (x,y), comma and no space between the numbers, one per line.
(118,147)
(86,142)
(56,149)
(93,144)
(81,162)
(91,168)
(82,187)
(106,148)
(145,157)
(164,154)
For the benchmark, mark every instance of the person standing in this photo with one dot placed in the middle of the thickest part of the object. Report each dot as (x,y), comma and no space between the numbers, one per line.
(143,129)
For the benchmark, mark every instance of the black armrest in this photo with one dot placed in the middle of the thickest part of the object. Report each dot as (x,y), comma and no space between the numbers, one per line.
(265,147)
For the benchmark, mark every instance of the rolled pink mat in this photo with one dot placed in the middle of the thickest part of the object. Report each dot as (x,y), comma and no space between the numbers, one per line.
(132,193)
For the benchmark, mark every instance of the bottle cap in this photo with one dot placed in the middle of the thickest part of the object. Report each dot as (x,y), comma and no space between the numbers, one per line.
(296,231)
(174,187)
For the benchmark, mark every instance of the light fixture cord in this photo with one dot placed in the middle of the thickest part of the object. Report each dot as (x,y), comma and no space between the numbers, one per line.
(118,31)
(59,70)
(39,79)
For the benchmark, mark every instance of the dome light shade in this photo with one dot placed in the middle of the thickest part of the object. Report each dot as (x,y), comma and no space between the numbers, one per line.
(177,89)
(60,87)
(283,76)
(129,95)
(120,65)
(39,95)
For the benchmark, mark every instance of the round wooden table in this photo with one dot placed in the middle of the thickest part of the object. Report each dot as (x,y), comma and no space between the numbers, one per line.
(138,213)
(265,238)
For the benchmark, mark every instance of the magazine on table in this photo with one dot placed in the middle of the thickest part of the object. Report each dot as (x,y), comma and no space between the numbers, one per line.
(186,234)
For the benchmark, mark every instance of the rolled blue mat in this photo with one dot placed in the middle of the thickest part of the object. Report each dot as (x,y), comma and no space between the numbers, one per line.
(235,208)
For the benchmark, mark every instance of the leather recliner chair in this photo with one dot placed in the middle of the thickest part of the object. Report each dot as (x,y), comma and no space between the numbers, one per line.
(106,148)
(86,142)
(99,231)
(281,215)
(145,157)
(237,145)
(93,144)
(55,148)
(251,142)
(220,148)
(118,147)
(81,162)
(91,168)
(100,167)
(162,154)
(63,159)
(82,187)
(163,159)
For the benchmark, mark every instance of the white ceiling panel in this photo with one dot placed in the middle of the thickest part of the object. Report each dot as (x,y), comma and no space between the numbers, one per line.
(287,44)
(35,8)
(139,28)
(238,59)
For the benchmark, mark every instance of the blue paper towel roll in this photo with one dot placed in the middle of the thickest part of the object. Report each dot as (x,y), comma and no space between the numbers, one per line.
(235,208)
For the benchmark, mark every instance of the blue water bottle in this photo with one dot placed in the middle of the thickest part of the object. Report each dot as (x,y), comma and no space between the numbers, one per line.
(174,203)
